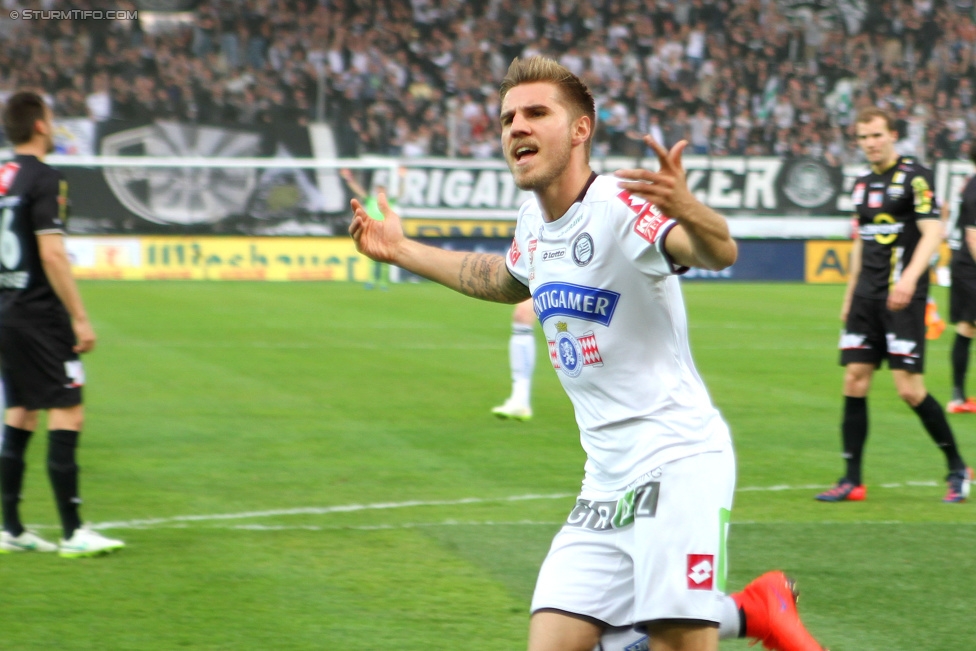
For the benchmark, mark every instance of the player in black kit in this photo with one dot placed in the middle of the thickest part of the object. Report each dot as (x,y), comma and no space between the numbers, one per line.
(962,296)
(884,307)
(43,328)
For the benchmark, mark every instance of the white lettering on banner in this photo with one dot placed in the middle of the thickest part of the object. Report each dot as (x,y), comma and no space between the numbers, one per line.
(720,186)
(485,190)
(457,188)
(761,183)
(414,183)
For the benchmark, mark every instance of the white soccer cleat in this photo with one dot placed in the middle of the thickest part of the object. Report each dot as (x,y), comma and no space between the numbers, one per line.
(25,542)
(84,542)
(513,410)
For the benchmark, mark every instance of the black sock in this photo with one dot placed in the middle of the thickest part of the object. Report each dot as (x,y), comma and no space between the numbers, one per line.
(854,432)
(960,364)
(12,468)
(934,420)
(63,472)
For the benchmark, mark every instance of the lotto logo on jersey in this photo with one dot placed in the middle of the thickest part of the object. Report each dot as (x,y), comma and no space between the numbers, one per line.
(701,571)
(858,195)
(7,174)
(513,253)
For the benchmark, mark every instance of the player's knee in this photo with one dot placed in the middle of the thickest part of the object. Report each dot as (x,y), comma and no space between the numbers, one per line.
(856,385)
(61,450)
(71,418)
(912,395)
(21,418)
(14,444)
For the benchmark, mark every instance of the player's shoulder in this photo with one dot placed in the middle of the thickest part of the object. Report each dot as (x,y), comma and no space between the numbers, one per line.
(38,172)
(606,190)
(912,166)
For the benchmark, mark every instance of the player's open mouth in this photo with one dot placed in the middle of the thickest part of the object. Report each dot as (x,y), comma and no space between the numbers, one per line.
(524,153)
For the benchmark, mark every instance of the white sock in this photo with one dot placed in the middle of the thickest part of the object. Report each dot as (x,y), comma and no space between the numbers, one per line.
(521,359)
(728,628)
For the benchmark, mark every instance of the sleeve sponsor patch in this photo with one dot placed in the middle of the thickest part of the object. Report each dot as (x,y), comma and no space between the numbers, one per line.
(513,253)
(7,174)
(650,224)
(650,219)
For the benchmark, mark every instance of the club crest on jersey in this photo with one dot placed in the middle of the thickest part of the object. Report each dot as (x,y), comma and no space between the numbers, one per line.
(570,354)
(875,198)
(566,299)
(582,249)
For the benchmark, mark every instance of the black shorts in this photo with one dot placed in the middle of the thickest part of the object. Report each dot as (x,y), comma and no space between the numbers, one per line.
(962,298)
(874,333)
(39,368)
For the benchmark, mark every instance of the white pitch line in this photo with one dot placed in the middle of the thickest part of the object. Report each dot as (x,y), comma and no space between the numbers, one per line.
(323,510)
(378,506)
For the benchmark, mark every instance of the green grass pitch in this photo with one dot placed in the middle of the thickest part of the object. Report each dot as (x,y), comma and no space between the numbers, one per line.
(314,466)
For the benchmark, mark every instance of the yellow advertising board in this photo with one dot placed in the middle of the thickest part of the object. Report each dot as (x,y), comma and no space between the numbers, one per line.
(458,228)
(829,261)
(217,258)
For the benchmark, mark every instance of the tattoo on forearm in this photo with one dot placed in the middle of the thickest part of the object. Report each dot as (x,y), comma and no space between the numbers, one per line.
(484,276)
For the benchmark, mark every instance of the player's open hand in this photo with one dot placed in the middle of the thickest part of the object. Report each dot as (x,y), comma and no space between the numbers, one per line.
(666,188)
(901,294)
(376,239)
(84,335)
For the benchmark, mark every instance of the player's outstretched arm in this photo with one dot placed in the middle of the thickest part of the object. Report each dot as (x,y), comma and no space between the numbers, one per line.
(480,275)
(702,237)
(57,267)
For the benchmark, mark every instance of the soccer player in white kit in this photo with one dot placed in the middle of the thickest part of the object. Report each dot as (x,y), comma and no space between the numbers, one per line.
(645,543)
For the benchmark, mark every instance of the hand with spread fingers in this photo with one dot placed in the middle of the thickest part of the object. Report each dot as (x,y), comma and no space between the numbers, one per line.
(701,238)
(666,188)
(376,239)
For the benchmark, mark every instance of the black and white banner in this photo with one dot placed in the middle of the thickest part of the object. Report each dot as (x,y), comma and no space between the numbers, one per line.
(110,196)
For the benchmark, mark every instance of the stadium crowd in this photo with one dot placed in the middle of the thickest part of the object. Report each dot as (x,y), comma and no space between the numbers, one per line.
(417,78)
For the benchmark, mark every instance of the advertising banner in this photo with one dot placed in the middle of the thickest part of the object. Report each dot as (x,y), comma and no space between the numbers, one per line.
(216,258)
(829,261)
(437,197)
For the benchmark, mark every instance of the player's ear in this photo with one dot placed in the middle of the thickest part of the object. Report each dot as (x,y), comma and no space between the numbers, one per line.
(582,128)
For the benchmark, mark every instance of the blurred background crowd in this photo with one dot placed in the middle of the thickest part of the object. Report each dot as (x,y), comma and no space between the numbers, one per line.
(415,78)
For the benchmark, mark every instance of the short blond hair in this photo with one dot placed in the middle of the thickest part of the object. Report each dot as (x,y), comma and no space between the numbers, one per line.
(870,113)
(572,90)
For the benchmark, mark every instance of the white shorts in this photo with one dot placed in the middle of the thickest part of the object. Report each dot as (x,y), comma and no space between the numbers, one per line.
(657,552)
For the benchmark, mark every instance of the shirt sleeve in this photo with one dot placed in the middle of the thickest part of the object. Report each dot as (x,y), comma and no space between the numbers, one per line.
(926,207)
(967,206)
(641,230)
(49,204)
(515,259)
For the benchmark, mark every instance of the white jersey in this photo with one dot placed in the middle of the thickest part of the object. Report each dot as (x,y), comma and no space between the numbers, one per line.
(611,308)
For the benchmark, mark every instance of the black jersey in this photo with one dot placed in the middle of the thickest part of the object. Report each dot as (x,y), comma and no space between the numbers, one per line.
(962,259)
(889,206)
(33,201)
